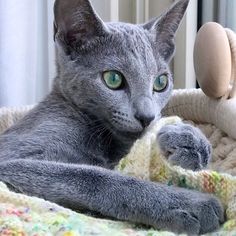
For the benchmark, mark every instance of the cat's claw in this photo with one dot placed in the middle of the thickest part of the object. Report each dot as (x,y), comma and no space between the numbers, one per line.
(185,146)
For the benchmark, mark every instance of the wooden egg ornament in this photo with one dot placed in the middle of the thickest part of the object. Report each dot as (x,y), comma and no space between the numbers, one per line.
(213,59)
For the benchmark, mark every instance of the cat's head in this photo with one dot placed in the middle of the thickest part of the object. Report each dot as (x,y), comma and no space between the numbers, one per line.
(116,72)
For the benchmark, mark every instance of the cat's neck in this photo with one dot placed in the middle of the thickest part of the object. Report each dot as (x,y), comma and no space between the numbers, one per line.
(99,139)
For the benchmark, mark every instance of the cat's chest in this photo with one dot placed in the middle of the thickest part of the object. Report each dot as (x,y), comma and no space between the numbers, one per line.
(97,148)
(101,150)
(80,144)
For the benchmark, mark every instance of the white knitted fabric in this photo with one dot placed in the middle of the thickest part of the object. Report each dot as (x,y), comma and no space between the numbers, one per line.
(9,116)
(216,118)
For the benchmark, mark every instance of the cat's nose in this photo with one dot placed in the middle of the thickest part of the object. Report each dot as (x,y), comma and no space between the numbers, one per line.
(143,109)
(145,119)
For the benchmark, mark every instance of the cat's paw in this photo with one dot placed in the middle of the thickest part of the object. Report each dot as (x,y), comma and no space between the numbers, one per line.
(199,214)
(185,146)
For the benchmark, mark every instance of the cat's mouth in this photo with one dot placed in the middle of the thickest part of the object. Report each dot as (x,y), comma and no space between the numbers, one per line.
(131,135)
(123,134)
(127,135)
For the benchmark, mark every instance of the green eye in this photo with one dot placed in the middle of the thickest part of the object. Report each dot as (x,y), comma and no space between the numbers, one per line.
(160,83)
(113,79)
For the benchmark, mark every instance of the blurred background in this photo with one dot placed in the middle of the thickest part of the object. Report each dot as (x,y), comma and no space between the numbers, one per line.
(27,49)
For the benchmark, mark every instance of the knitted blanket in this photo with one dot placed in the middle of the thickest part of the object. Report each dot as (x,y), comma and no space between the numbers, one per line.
(23,215)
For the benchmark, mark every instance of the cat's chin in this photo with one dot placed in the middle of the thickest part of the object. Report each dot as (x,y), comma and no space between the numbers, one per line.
(127,136)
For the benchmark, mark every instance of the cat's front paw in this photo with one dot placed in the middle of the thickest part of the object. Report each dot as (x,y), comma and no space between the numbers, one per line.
(185,146)
(197,214)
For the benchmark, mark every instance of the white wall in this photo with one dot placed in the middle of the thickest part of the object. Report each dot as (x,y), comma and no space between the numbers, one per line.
(17,51)
(222,11)
(26,51)
(184,72)
(231,15)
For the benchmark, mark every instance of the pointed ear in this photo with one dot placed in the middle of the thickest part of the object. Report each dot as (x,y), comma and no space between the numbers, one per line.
(165,27)
(76,23)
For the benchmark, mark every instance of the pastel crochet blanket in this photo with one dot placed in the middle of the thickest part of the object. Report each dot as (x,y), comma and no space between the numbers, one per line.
(23,215)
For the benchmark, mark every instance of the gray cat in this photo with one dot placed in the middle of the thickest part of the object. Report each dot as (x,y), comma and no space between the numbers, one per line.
(112,81)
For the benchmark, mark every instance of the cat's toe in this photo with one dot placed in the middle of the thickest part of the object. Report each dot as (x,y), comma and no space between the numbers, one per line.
(181,221)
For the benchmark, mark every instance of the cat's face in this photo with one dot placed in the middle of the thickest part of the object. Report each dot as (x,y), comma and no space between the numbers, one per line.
(116,72)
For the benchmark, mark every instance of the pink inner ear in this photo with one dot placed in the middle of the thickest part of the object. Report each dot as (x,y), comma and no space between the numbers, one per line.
(79,34)
(75,35)
(83,31)
(71,37)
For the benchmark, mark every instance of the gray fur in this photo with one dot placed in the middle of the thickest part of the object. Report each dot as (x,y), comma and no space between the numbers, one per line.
(180,141)
(64,150)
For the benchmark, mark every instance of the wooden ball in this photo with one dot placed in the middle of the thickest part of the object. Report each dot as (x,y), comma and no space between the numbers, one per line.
(212,60)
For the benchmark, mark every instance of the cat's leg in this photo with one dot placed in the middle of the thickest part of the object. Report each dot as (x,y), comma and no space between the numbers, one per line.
(185,146)
(114,195)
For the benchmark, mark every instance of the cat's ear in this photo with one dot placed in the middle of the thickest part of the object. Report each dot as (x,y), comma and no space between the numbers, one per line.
(164,28)
(76,23)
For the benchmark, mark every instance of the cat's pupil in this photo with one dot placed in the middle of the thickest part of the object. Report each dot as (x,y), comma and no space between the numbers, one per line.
(160,83)
(113,79)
